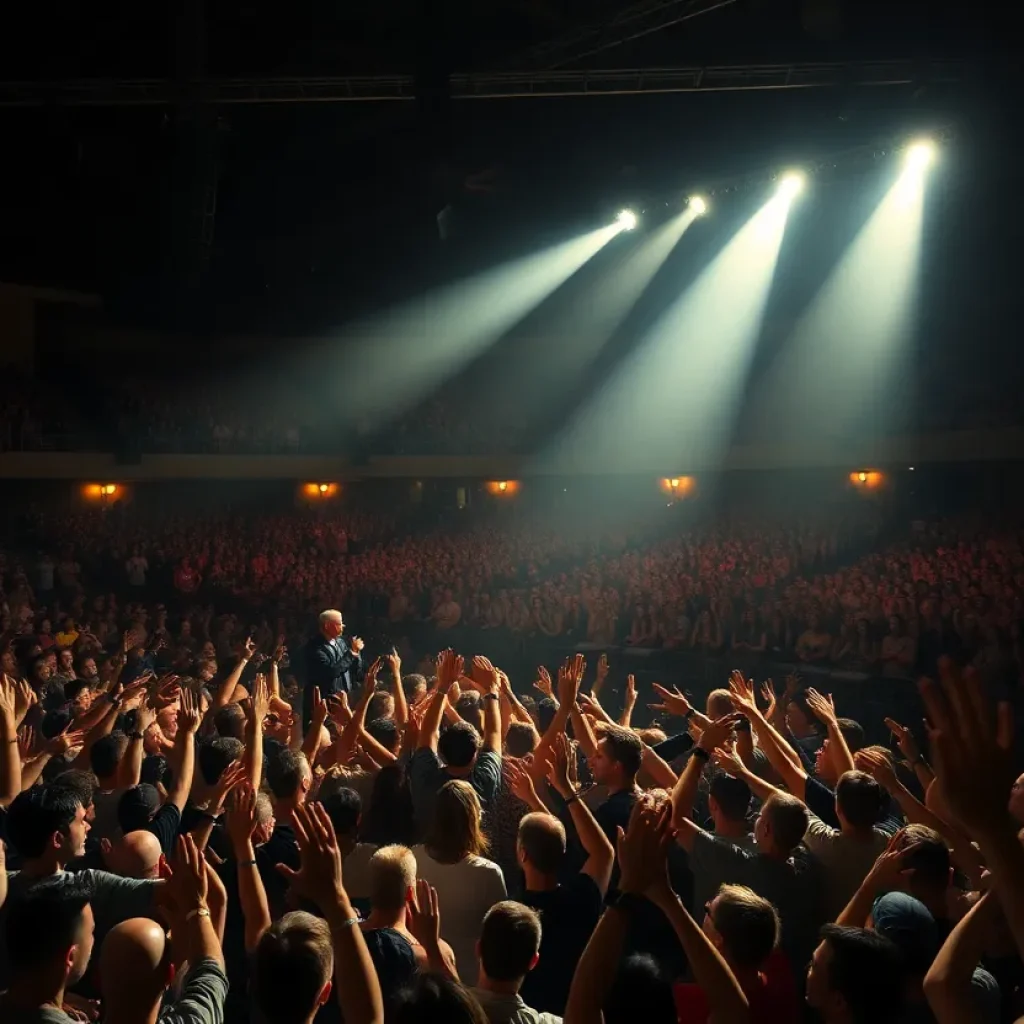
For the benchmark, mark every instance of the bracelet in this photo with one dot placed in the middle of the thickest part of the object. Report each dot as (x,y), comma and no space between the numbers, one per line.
(490,696)
(136,736)
(208,816)
(198,912)
(247,863)
(701,753)
(572,799)
(689,714)
(348,922)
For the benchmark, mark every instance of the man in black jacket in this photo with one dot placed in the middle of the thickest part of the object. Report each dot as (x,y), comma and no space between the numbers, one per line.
(329,661)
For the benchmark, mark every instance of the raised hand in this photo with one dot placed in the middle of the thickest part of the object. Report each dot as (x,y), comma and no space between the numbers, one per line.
(768,696)
(673,702)
(394,662)
(557,766)
(338,709)
(319,877)
(823,707)
(971,749)
(240,819)
(717,733)
(260,698)
(726,758)
(630,689)
(370,679)
(890,869)
(26,743)
(543,682)
(188,884)
(248,648)
(233,775)
(520,783)
(643,851)
(741,693)
(24,698)
(67,739)
(8,699)
(319,714)
(569,681)
(877,766)
(904,740)
(449,669)
(422,916)
(602,669)
(355,645)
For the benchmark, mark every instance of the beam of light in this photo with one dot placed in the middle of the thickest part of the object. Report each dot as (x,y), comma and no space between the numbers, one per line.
(920,155)
(628,220)
(792,183)
(574,333)
(698,204)
(675,397)
(839,375)
(398,358)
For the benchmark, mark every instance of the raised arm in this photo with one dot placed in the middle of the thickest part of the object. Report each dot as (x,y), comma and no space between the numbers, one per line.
(947,985)
(226,689)
(129,771)
(629,702)
(569,676)
(824,709)
(727,758)
(600,853)
(10,756)
(643,858)
(241,823)
(394,664)
(491,705)
(184,757)
(258,709)
(675,703)
(319,879)
(449,669)
(685,792)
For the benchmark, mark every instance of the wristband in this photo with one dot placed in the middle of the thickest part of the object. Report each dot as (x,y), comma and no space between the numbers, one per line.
(490,696)
(208,816)
(136,736)
(743,725)
(247,863)
(572,799)
(198,912)
(701,753)
(689,714)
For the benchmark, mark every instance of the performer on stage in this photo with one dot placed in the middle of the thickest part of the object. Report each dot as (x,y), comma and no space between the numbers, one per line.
(329,661)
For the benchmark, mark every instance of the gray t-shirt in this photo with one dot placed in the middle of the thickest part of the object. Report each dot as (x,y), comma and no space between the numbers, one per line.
(201,998)
(427,775)
(115,899)
(43,1015)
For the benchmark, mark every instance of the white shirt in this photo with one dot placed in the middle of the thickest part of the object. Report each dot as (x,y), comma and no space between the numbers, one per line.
(465,892)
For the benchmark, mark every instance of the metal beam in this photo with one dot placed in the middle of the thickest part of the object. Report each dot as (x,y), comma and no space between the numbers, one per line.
(634,22)
(150,92)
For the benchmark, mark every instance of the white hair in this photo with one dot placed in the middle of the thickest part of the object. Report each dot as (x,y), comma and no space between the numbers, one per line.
(330,615)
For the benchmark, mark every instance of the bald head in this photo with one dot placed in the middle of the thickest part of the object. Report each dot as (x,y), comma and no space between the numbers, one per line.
(137,855)
(542,842)
(135,970)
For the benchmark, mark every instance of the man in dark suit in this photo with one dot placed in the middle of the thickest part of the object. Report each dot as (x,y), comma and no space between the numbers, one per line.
(329,661)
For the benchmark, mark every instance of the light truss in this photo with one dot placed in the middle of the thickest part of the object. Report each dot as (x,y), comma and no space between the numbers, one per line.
(151,92)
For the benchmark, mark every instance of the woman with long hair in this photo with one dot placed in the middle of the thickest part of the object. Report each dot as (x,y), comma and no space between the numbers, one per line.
(451,859)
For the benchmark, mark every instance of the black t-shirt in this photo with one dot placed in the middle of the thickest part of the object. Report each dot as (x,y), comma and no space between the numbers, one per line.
(165,825)
(568,917)
(192,817)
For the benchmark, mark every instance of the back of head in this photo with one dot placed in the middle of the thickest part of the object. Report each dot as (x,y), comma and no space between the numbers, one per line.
(230,721)
(45,921)
(624,746)
(859,799)
(788,819)
(344,807)
(864,975)
(35,815)
(433,999)
(929,861)
(135,968)
(392,875)
(520,740)
(642,991)
(470,709)
(106,753)
(731,795)
(382,705)
(547,708)
(908,923)
(853,733)
(719,703)
(287,772)
(215,755)
(509,941)
(748,924)
(454,831)
(385,731)
(414,685)
(78,781)
(136,807)
(458,745)
(542,841)
(292,967)
(137,855)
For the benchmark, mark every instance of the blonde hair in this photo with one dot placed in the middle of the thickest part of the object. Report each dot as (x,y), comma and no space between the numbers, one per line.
(392,875)
(455,832)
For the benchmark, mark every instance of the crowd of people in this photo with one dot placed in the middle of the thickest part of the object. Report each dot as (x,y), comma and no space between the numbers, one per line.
(311,835)
(833,594)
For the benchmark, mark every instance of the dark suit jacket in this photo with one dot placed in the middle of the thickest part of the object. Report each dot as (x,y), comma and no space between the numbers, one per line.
(329,664)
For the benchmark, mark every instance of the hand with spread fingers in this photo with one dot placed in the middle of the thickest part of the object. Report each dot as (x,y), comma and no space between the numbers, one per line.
(673,702)
(643,851)
(972,749)
(319,877)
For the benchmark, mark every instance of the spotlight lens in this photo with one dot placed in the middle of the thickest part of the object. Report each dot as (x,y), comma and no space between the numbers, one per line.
(792,184)
(699,205)
(920,154)
(627,219)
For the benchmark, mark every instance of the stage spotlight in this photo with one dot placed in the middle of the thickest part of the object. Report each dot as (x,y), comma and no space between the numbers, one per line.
(626,220)
(698,204)
(791,184)
(920,154)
